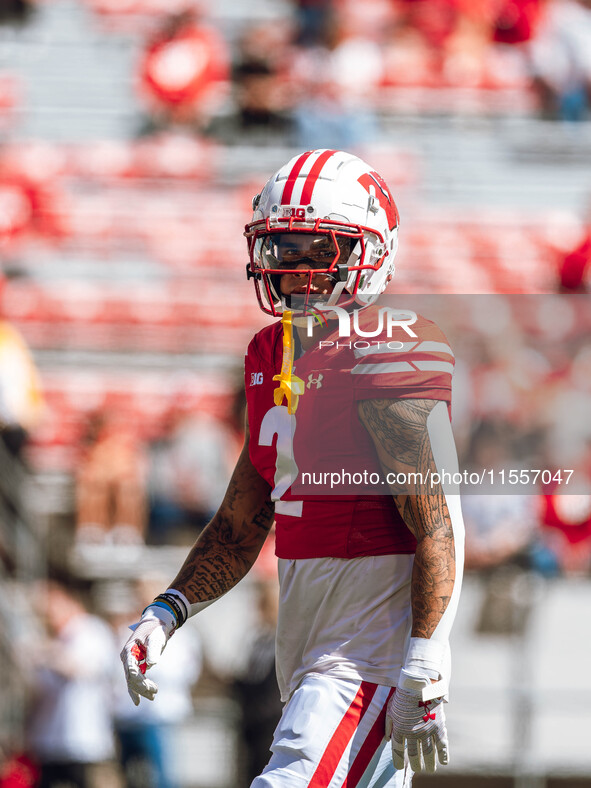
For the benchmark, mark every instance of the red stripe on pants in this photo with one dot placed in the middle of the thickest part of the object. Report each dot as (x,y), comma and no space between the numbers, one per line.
(368,749)
(342,736)
(292,177)
(313,176)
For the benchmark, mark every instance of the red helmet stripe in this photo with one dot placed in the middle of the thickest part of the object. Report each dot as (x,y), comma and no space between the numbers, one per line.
(293,175)
(313,176)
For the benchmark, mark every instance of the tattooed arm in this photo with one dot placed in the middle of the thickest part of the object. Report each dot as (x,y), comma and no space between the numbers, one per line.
(230,544)
(221,556)
(404,432)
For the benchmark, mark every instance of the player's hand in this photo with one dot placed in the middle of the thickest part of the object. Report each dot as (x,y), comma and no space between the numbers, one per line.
(143,649)
(417,725)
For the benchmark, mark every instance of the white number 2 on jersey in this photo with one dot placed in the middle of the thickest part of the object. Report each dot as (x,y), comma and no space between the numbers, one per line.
(277,421)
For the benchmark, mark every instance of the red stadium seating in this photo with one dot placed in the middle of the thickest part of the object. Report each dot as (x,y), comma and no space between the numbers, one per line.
(145,398)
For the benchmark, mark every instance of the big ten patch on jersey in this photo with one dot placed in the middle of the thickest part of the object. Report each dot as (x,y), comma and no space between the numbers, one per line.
(320,461)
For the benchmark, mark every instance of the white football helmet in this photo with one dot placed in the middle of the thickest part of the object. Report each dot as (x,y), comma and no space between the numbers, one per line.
(333,212)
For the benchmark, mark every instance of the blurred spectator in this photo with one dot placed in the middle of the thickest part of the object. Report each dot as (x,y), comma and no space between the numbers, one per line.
(183,72)
(190,466)
(466,51)
(408,57)
(336,86)
(500,529)
(256,689)
(565,417)
(21,412)
(456,43)
(560,56)
(11,95)
(145,732)
(503,542)
(12,11)
(573,267)
(21,399)
(566,520)
(18,213)
(516,21)
(313,21)
(435,20)
(566,507)
(31,199)
(70,730)
(19,771)
(262,92)
(111,494)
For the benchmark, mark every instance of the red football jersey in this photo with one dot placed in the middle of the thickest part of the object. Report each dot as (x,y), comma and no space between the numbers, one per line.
(319,515)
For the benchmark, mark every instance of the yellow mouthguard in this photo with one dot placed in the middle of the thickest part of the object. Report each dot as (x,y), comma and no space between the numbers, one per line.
(290,386)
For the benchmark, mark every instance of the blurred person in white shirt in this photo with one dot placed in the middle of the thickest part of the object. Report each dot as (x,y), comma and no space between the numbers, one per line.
(70,730)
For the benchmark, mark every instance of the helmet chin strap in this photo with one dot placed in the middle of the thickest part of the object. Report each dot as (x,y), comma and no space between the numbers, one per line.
(343,276)
(336,293)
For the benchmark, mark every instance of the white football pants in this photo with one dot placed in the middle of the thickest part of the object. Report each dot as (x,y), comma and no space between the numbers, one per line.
(331,735)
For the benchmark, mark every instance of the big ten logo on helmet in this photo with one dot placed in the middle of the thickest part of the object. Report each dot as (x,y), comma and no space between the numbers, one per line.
(256,378)
(296,211)
(393,318)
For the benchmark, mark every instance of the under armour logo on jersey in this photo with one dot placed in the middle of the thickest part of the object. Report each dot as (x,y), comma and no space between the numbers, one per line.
(256,378)
(312,381)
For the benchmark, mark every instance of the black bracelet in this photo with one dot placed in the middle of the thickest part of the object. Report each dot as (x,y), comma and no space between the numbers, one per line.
(186,611)
(177,605)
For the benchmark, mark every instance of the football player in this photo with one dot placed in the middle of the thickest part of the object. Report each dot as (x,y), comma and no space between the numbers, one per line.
(369,583)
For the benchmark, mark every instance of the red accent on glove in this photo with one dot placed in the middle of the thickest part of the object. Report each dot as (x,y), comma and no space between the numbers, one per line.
(139,652)
(428,716)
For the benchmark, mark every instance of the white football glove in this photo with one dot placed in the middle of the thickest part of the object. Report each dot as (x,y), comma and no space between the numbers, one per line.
(415,721)
(143,649)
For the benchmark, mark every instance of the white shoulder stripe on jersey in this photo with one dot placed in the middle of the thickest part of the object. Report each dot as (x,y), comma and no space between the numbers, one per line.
(383,369)
(434,366)
(438,347)
(392,346)
(402,366)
